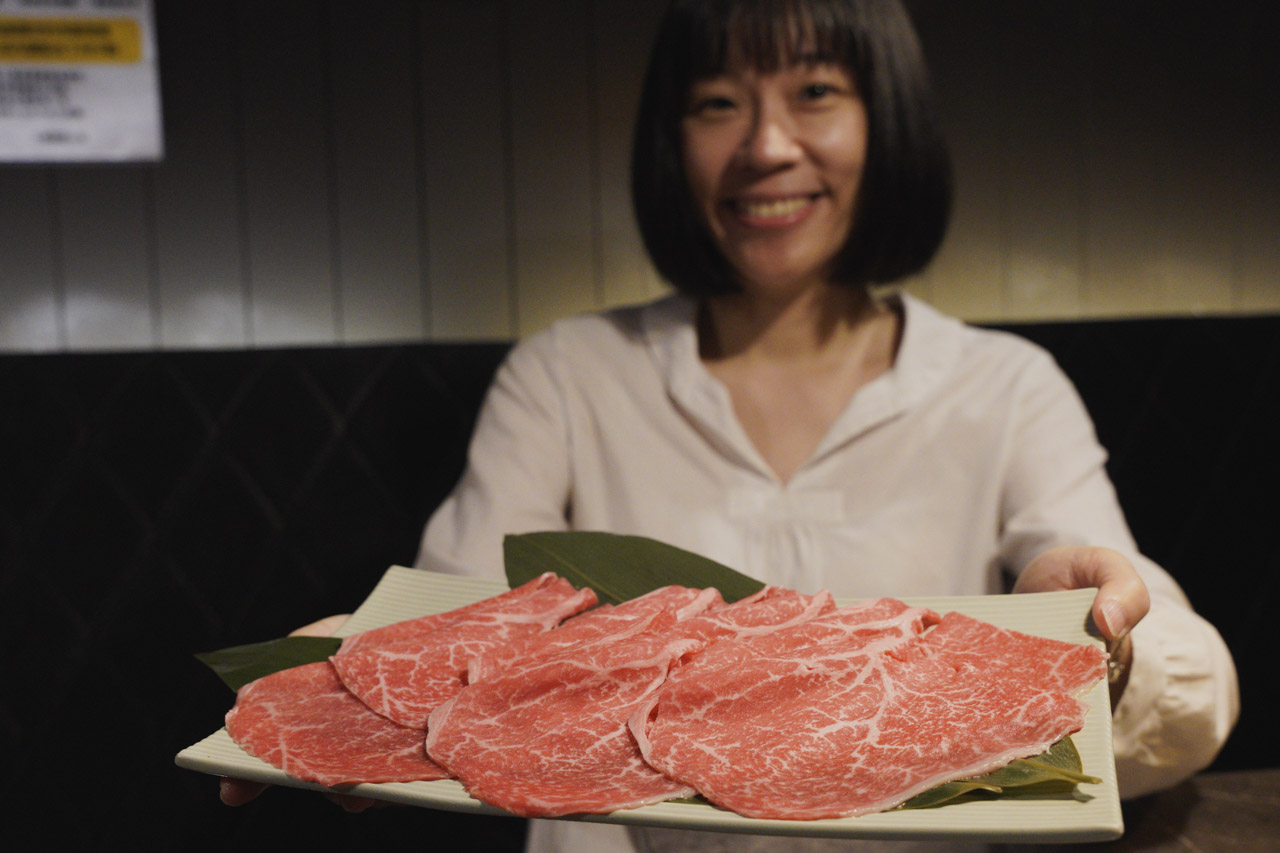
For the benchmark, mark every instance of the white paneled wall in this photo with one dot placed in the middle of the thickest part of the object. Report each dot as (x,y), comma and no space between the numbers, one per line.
(343,172)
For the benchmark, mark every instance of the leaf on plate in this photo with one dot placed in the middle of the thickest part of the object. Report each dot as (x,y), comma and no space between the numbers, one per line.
(1060,763)
(1057,769)
(948,792)
(618,567)
(239,665)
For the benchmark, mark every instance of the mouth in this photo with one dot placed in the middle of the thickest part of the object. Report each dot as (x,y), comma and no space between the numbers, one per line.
(765,212)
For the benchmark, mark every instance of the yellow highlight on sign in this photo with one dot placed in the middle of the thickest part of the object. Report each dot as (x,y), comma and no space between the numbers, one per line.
(68,41)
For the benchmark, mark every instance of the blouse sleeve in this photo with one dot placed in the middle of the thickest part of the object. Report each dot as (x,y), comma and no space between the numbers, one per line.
(517,474)
(1182,698)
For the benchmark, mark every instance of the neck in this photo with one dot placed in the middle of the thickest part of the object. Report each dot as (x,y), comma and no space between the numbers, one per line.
(807,325)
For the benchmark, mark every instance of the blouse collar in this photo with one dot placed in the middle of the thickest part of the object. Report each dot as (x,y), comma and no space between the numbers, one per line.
(927,353)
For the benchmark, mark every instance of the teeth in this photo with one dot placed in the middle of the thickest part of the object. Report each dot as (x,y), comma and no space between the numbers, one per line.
(773,209)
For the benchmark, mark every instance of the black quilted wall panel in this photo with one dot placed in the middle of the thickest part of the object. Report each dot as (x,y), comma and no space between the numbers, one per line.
(153,505)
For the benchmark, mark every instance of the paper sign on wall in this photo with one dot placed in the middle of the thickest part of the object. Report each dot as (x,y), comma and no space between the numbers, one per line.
(78,81)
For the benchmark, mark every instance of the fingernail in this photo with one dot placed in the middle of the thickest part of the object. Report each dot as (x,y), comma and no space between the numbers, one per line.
(1117,623)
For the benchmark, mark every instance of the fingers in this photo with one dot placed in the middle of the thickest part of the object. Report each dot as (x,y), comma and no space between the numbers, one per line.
(322,627)
(237,792)
(1119,661)
(351,803)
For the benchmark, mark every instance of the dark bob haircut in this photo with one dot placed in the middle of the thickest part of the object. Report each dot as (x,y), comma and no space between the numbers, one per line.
(904,199)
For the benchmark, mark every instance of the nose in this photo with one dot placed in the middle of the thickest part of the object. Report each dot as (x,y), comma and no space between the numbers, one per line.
(771,139)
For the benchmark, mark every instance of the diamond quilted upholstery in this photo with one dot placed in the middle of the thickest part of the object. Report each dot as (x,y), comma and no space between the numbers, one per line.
(157,504)
(153,505)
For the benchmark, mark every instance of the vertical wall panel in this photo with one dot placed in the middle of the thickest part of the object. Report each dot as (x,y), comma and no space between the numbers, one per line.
(198,189)
(624,31)
(466,168)
(1257,120)
(1123,194)
(1044,107)
(30,299)
(374,70)
(287,179)
(458,169)
(104,216)
(553,161)
(1196,98)
(967,277)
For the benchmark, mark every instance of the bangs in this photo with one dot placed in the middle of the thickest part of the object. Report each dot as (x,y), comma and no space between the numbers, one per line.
(770,35)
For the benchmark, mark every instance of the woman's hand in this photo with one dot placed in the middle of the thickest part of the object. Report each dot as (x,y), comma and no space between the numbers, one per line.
(237,792)
(322,627)
(1122,600)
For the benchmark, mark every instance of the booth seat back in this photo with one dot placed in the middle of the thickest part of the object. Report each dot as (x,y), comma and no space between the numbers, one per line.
(158,504)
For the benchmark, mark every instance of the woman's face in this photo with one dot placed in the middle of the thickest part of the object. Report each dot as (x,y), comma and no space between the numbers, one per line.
(773,163)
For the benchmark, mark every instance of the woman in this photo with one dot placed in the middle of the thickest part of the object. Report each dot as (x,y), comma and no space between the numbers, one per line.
(779,416)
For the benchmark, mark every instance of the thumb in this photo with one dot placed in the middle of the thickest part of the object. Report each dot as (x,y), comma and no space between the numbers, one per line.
(1122,599)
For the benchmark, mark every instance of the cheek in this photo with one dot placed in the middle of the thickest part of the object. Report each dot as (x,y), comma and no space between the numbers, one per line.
(698,183)
(704,160)
(845,145)
(854,146)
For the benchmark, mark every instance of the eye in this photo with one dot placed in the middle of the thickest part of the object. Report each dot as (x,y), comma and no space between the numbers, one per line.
(711,105)
(712,101)
(822,83)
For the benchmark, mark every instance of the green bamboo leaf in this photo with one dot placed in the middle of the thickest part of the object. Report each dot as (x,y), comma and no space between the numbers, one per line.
(618,567)
(239,665)
(1056,770)
(1061,763)
(948,792)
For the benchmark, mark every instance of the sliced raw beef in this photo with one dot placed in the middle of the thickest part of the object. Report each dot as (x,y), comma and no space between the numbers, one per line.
(771,609)
(971,645)
(304,722)
(407,669)
(771,727)
(549,737)
(684,601)
(424,626)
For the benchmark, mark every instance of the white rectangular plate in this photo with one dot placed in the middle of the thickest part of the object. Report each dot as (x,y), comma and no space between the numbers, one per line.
(1092,813)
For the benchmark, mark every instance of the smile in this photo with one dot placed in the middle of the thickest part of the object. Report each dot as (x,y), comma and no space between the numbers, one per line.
(777,211)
